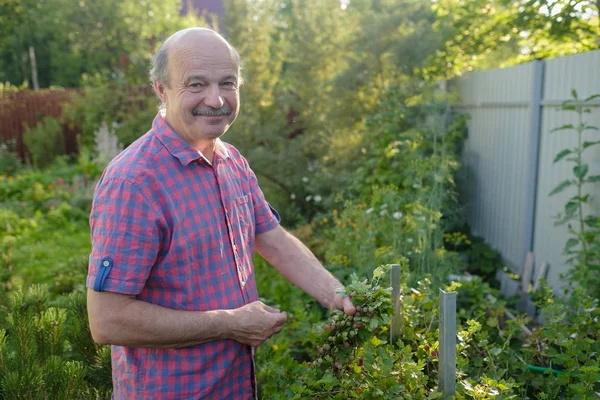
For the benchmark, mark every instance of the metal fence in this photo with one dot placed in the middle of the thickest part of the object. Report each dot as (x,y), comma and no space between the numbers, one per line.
(508,156)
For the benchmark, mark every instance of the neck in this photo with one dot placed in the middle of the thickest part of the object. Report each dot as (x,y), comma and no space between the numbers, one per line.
(207,148)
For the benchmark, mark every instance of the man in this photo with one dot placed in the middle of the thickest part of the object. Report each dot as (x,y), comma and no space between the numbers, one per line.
(175,220)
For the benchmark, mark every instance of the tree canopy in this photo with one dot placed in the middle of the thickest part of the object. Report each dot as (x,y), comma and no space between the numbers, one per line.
(315,70)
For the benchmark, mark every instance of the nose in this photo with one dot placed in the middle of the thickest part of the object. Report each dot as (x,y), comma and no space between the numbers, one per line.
(213,97)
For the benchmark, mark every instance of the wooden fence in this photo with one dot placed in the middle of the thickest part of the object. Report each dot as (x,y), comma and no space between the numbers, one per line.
(20,109)
(24,108)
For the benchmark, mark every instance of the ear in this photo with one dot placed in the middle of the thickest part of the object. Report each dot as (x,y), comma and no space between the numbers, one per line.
(161,91)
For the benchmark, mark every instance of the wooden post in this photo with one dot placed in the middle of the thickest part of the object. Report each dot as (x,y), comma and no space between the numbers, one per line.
(541,275)
(447,353)
(527,272)
(525,304)
(397,322)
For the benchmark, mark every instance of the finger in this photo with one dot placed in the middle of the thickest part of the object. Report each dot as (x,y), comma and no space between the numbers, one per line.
(349,308)
(278,329)
(281,318)
(270,309)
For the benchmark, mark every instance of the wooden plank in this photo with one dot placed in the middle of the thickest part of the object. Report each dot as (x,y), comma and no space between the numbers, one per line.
(527,272)
(542,273)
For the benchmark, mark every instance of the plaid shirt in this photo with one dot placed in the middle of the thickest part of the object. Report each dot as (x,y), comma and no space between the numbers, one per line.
(174,230)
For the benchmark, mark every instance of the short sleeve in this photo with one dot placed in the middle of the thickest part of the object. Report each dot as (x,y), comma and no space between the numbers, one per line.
(266,217)
(125,233)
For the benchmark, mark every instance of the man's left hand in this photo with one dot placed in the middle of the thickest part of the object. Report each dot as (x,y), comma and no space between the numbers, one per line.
(344,304)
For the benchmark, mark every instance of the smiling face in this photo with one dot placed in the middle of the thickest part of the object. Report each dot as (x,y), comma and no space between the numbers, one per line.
(202,98)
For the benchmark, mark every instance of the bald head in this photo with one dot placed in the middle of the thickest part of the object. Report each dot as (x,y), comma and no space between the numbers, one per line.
(183,41)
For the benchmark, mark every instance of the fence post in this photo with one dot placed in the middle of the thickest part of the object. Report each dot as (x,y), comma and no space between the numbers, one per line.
(447,353)
(396,326)
(535,125)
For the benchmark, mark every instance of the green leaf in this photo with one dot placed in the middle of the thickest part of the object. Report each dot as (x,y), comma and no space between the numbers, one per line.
(581,171)
(590,128)
(593,221)
(589,144)
(571,208)
(592,97)
(378,272)
(375,341)
(583,199)
(563,128)
(397,388)
(572,242)
(593,178)
(574,94)
(373,324)
(562,186)
(562,155)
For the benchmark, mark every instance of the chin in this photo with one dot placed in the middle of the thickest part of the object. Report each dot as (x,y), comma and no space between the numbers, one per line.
(213,131)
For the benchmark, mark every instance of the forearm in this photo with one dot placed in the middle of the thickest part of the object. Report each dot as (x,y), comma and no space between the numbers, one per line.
(133,323)
(298,265)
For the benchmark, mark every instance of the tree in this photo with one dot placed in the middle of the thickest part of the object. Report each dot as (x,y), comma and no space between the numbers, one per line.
(75,39)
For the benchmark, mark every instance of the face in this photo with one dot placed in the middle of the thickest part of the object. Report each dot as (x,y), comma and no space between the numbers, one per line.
(203,98)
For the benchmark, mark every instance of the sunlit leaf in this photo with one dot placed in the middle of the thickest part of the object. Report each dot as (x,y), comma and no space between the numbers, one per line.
(378,272)
(375,341)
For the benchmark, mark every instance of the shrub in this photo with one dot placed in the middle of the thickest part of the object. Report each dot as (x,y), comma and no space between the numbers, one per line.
(45,142)
(44,348)
(568,343)
(9,161)
(128,111)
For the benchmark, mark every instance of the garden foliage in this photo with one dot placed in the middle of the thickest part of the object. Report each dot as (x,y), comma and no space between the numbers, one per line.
(344,101)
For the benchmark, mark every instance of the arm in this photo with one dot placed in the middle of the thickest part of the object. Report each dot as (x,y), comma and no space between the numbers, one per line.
(122,320)
(299,266)
(129,235)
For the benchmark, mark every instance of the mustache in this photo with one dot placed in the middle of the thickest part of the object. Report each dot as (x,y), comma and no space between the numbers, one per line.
(212,112)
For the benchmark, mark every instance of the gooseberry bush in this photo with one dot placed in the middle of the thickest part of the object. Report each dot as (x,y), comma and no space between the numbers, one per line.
(351,357)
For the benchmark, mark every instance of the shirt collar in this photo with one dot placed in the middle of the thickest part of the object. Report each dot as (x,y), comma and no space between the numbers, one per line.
(178,147)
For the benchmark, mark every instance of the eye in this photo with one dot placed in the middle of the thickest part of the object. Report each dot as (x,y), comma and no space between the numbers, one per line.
(229,84)
(196,85)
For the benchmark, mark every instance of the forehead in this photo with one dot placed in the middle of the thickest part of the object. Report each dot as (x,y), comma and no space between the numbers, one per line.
(211,58)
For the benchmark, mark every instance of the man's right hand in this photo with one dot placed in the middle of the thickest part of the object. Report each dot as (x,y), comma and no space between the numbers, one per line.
(255,322)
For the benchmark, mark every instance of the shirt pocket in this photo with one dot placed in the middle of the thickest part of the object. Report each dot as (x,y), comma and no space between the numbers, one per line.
(245,217)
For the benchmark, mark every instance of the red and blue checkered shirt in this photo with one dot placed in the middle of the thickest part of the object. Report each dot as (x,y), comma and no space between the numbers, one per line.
(178,231)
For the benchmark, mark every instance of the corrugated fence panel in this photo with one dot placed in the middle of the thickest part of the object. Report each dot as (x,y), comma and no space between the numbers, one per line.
(498,155)
(495,156)
(582,73)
